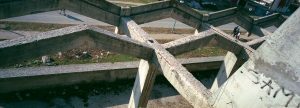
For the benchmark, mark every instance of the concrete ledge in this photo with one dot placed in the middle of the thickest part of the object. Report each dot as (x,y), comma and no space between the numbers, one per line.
(266,18)
(188,10)
(150,7)
(222,13)
(39,77)
(81,36)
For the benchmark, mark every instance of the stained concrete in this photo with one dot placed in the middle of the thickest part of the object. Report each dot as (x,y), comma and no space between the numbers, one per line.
(82,36)
(24,78)
(177,75)
(184,82)
(271,77)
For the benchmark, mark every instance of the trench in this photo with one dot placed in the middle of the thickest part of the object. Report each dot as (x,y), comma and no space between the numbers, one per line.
(95,94)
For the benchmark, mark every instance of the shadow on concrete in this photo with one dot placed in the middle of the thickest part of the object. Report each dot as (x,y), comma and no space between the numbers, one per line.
(96,94)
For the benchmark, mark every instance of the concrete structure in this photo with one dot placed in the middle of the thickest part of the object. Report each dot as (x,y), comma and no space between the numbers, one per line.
(156,57)
(25,78)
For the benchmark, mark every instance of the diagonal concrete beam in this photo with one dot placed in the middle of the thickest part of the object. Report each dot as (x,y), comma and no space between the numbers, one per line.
(256,42)
(82,36)
(241,50)
(183,81)
(189,43)
(224,39)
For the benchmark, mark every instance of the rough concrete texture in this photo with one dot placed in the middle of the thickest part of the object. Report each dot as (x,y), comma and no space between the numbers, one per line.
(278,57)
(271,77)
(224,71)
(158,57)
(189,43)
(25,78)
(184,82)
(82,36)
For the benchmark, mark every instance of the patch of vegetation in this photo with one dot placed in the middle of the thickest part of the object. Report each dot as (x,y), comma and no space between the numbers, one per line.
(204,52)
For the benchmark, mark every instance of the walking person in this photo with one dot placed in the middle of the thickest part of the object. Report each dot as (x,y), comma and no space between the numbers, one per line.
(62,11)
(236,32)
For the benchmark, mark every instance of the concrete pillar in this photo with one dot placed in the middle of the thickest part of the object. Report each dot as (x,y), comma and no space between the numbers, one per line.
(143,85)
(275,4)
(224,71)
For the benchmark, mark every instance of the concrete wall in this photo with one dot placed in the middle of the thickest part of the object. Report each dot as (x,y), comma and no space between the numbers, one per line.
(16,50)
(222,13)
(93,10)
(12,8)
(266,18)
(149,7)
(39,77)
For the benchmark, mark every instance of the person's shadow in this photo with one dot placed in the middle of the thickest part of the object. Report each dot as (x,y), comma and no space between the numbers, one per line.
(73,18)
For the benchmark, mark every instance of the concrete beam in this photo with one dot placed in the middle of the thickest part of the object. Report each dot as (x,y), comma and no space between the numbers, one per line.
(251,25)
(229,43)
(82,36)
(256,42)
(183,81)
(189,43)
(26,78)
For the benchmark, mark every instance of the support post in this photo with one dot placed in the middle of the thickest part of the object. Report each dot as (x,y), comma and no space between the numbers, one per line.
(142,88)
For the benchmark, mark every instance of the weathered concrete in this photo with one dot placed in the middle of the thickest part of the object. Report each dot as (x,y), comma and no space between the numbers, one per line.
(12,8)
(186,18)
(256,42)
(266,18)
(222,13)
(184,82)
(97,9)
(150,7)
(224,71)
(152,15)
(271,77)
(189,12)
(25,78)
(82,36)
(189,43)
(229,43)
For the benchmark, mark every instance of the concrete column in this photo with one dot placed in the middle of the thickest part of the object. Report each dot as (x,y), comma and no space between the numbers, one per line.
(119,31)
(182,80)
(143,85)
(225,71)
